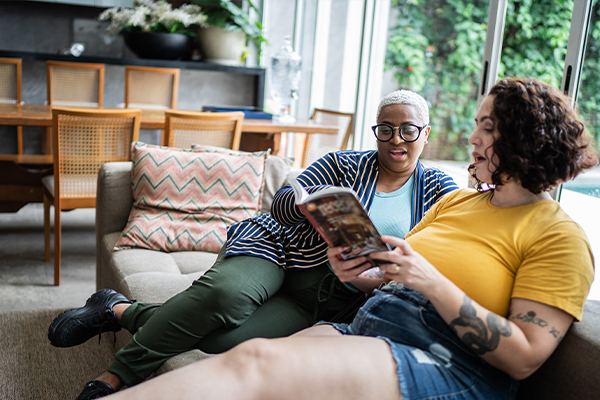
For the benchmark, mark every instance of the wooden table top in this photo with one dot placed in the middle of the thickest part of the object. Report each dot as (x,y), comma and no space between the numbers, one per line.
(41,115)
(28,159)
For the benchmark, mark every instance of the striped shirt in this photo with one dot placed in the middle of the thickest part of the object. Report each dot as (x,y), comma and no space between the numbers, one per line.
(286,238)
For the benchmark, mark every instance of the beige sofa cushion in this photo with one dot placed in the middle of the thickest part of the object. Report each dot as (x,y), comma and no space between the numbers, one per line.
(151,276)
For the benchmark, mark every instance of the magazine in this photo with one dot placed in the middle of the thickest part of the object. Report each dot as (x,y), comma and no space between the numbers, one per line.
(339,217)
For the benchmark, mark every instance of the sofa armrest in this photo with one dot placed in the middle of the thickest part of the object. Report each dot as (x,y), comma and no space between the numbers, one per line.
(114,199)
(571,372)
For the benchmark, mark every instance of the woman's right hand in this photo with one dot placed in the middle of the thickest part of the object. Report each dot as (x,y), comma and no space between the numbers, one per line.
(353,271)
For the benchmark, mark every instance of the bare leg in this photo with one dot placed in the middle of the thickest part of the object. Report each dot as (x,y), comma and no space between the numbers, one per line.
(119,308)
(116,383)
(319,330)
(298,367)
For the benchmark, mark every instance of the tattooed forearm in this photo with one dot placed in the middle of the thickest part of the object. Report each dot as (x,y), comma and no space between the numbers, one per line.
(480,338)
(531,317)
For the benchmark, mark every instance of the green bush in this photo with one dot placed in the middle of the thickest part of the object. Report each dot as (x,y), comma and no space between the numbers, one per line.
(436,49)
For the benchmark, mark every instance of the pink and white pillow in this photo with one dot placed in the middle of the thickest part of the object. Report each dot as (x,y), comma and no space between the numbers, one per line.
(184,200)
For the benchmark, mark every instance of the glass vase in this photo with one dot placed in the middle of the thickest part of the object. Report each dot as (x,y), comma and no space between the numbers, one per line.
(285,79)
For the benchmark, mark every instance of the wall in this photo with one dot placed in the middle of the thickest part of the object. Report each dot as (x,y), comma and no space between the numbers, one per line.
(51,28)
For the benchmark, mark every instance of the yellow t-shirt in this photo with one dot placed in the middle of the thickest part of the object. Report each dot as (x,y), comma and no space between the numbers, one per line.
(534,251)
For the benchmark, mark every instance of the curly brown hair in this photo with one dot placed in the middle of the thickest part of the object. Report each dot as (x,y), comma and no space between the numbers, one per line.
(542,140)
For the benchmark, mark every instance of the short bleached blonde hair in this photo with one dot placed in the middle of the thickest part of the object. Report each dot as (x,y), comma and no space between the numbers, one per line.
(407,97)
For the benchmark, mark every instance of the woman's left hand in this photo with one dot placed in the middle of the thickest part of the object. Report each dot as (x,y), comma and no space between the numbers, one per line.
(406,266)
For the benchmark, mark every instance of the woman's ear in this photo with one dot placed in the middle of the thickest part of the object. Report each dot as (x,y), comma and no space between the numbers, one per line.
(426,133)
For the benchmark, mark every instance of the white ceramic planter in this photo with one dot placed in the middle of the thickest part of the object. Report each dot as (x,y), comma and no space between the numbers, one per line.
(220,46)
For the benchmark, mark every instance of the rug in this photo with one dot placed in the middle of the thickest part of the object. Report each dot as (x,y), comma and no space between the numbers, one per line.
(31,368)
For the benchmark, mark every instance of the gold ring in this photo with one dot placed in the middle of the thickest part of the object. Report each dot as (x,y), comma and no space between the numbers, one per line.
(397,269)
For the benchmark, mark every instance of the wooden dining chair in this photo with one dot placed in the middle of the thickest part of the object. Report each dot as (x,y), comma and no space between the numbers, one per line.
(84,140)
(73,84)
(319,144)
(185,128)
(151,88)
(10,89)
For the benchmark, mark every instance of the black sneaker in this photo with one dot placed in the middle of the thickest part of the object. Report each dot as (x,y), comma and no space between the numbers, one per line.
(95,390)
(78,325)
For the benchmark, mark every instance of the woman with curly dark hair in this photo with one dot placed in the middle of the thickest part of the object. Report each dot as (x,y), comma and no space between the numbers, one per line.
(479,294)
(559,150)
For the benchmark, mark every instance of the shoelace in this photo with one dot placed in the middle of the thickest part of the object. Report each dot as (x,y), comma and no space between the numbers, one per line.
(106,321)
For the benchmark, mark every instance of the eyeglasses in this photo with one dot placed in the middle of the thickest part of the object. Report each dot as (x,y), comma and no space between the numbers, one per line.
(408,133)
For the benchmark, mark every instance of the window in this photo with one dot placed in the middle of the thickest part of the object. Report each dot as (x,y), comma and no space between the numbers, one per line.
(435,48)
(535,40)
(588,102)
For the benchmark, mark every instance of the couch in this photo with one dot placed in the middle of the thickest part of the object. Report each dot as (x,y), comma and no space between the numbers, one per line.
(572,372)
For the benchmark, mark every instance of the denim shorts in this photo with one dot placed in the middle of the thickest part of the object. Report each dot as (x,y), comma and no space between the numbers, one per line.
(432,362)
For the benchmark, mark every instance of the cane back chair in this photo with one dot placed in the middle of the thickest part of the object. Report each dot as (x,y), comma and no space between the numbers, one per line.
(186,128)
(318,144)
(10,89)
(151,88)
(84,140)
(73,84)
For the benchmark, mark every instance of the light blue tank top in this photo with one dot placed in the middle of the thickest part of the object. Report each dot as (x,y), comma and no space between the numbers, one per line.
(391,212)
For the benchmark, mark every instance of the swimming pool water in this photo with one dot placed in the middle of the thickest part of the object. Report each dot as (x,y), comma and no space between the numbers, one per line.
(588,187)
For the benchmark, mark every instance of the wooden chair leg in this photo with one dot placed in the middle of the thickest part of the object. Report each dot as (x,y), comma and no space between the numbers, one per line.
(57,234)
(19,140)
(46,227)
(46,140)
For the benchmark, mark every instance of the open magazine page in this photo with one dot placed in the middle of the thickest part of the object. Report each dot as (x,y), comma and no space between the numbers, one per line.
(341,220)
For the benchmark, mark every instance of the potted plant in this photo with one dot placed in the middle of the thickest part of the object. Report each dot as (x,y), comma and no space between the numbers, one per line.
(222,37)
(154,29)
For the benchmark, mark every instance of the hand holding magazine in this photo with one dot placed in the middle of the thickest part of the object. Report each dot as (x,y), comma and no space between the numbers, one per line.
(339,217)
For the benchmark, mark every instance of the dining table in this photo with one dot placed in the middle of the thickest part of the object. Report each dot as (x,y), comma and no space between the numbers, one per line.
(21,175)
(257,134)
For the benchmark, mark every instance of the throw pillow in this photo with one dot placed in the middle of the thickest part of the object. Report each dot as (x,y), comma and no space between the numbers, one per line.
(184,200)
(276,172)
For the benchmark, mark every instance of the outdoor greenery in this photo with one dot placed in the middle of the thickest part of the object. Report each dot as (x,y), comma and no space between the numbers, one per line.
(436,49)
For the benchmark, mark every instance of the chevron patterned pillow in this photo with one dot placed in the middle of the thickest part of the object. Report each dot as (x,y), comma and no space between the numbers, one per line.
(184,200)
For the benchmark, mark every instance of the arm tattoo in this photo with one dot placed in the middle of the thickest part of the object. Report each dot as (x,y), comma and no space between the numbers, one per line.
(531,317)
(483,338)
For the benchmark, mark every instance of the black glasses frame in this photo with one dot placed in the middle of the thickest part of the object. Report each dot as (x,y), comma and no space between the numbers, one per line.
(420,128)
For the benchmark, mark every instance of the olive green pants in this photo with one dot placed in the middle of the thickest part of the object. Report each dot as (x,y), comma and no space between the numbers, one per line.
(239,298)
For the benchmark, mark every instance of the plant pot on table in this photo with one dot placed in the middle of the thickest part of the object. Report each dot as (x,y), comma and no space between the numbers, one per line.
(163,46)
(221,46)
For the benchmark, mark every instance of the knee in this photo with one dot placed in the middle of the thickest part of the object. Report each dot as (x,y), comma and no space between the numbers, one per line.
(216,295)
(224,298)
(255,358)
